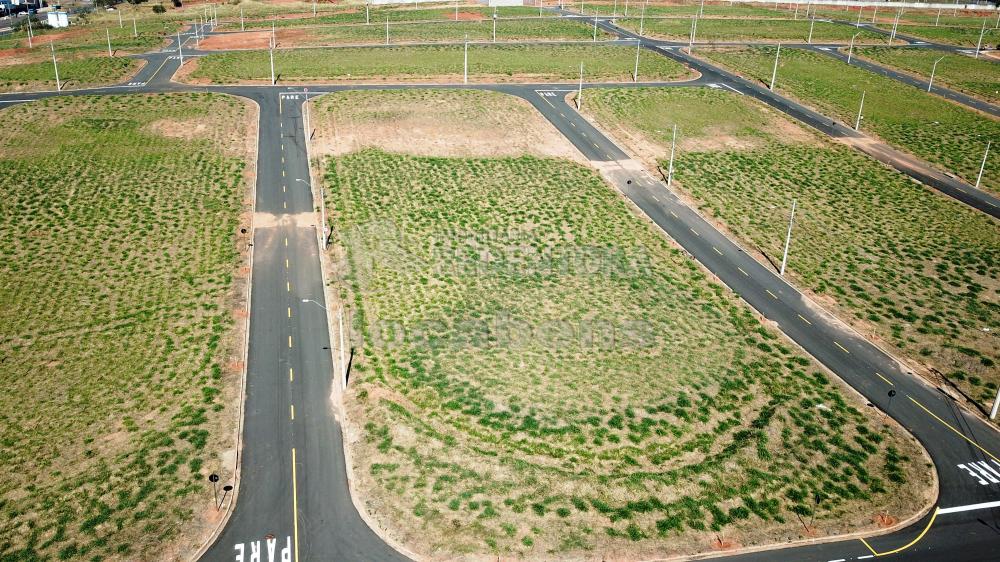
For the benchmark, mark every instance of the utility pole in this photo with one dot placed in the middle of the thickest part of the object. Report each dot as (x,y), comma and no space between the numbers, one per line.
(368,20)
(933,68)
(135,28)
(850,52)
(614,9)
(31,34)
(343,363)
(670,167)
(386,30)
(626,9)
(895,24)
(242,23)
(55,65)
(980,42)
(579,91)
(858,23)
(121,24)
(788,240)
(812,23)
(774,73)
(875,13)
(638,47)
(857,122)
(270,53)
(108,32)
(465,71)
(937,20)
(314,8)
(983,165)
(595,25)
(701,9)
(494,27)
(274,38)
(694,30)
(642,16)
(180,51)
(996,404)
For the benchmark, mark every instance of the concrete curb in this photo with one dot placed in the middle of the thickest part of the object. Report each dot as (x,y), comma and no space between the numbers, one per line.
(230,508)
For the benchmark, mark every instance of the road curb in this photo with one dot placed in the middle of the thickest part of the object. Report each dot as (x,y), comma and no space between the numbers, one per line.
(230,508)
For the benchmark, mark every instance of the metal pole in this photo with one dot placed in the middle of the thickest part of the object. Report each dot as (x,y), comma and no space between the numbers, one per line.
(465,71)
(579,91)
(626,9)
(108,32)
(494,28)
(642,16)
(983,165)
(795,16)
(197,39)
(875,14)
(270,53)
(812,23)
(996,404)
(614,9)
(980,43)
(857,122)
(55,65)
(121,24)
(670,168)
(933,68)
(788,240)
(242,24)
(997,24)
(368,20)
(694,29)
(701,9)
(314,8)
(274,39)
(638,47)
(774,73)
(30,34)
(850,52)
(386,30)
(180,51)
(135,29)
(343,363)
(937,20)
(595,24)
(858,23)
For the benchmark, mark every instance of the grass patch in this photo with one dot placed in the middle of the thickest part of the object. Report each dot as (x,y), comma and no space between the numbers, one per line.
(748,30)
(958,72)
(116,284)
(951,35)
(378,16)
(74,73)
(585,382)
(919,268)
(486,63)
(929,127)
(507,30)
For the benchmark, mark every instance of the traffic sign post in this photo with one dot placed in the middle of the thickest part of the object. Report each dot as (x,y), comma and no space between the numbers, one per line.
(214,478)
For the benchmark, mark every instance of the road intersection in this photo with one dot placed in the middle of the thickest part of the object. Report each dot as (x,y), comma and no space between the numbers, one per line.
(294,500)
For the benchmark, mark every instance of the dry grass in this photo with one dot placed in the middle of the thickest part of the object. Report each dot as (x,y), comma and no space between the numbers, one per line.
(119,357)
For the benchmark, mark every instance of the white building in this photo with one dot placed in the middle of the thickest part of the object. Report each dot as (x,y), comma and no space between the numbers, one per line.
(58,19)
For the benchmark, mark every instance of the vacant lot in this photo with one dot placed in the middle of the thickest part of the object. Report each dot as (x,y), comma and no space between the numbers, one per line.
(906,264)
(927,126)
(635,7)
(482,30)
(90,37)
(487,63)
(959,72)
(377,16)
(119,216)
(541,373)
(952,35)
(721,30)
(74,73)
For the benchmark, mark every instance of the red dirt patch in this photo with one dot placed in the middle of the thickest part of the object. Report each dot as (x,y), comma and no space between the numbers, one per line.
(884,520)
(242,40)
(722,543)
(464,16)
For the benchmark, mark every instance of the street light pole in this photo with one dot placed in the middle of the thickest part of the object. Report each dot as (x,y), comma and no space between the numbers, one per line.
(135,27)
(857,122)
(850,52)
(694,31)
(55,65)
(386,30)
(983,165)
(180,51)
(638,47)
(242,22)
(670,167)
(108,32)
(812,23)
(270,53)
(465,64)
(788,240)
(30,34)
(774,73)
(595,25)
(642,17)
(980,42)
(121,24)
(933,68)
(343,363)
(579,91)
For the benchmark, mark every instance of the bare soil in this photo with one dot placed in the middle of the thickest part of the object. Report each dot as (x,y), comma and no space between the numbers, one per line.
(242,40)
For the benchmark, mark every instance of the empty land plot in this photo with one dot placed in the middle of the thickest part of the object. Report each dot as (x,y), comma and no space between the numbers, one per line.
(77,72)
(377,17)
(912,266)
(941,132)
(952,35)
(487,63)
(543,374)
(635,7)
(959,72)
(506,30)
(91,37)
(117,292)
(722,30)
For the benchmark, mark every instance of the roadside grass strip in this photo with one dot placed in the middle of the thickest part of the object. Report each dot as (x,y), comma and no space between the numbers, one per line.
(958,72)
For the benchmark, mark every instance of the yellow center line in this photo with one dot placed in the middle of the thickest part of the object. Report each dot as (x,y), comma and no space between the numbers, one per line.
(803,318)
(289,312)
(774,296)
(716,250)
(292,411)
(957,432)
(743,272)
(295,506)
(881,376)
(908,545)
(844,349)
(289,341)
(286,263)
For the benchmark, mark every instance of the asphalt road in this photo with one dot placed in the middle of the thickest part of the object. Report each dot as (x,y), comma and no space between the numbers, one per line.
(293,482)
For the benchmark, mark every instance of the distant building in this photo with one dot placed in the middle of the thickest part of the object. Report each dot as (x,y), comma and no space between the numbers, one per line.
(58,19)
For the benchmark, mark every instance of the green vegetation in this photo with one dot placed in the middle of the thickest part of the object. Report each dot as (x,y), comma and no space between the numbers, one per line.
(377,16)
(932,128)
(662,10)
(74,73)
(915,267)
(486,62)
(116,286)
(749,30)
(528,396)
(962,36)
(958,72)
(88,36)
(507,30)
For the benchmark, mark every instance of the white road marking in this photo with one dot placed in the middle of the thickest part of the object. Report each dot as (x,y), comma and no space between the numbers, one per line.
(733,89)
(970,507)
